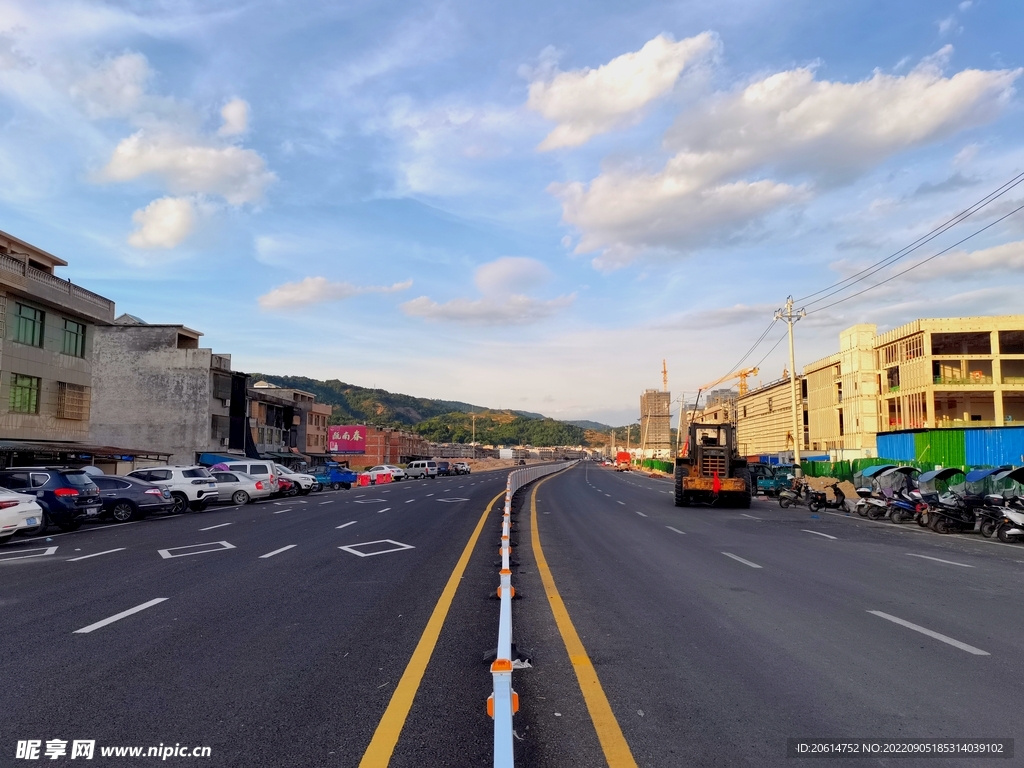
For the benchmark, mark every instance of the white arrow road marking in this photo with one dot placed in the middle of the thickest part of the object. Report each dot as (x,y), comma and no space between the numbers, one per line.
(816,533)
(398,547)
(43,552)
(95,554)
(118,616)
(939,560)
(741,560)
(217,547)
(276,552)
(936,635)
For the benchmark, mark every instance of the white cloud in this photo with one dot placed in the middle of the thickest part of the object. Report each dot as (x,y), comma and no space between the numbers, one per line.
(510,275)
(114,88)
(1007,258)
(320,290)
(506,310)
(790,123)
(164,223)
(190,165)
(965,5)
(946,24)
(587,102)
(236,118)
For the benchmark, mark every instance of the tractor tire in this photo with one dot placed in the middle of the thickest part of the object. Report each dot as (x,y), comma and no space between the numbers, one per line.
(681,473)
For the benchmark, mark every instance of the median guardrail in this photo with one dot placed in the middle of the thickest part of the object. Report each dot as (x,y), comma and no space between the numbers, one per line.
(503,701)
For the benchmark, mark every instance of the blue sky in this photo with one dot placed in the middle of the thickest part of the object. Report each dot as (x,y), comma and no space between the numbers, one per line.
(523,205)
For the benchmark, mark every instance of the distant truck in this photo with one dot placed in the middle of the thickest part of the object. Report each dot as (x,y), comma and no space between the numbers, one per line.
(712,471)
(623,461)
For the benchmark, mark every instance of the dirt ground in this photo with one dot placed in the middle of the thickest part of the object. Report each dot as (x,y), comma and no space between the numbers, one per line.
(823,483)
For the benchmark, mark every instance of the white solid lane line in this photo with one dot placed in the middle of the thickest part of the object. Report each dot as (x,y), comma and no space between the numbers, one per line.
(276,552)
(816,533)
(346,525)
(741,560)
(324,502)
(940,560)
(410,501)
(621,502)
(383,510)
(639,513)
(214,526)
(95,554)
(675,529)
(936,635)
(750,516)
(118,616)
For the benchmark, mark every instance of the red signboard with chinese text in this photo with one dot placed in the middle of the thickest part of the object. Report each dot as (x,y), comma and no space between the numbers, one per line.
(346,439)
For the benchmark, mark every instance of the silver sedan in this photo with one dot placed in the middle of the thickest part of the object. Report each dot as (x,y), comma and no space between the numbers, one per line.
(239,488)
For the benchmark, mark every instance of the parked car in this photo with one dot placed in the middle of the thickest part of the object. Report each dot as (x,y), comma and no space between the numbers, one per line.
(303,482)
(131,498)
(444,468)
(19,513)
(286,487)
(239,488)
(522,462)
(397,473)
(67,497)
(461,468)
(261,470)
(191,487)
(421,469)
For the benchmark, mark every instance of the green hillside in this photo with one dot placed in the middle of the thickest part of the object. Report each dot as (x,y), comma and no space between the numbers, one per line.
(500,428)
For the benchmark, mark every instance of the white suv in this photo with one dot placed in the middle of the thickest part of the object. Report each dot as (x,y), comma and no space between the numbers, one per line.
(191,487)
(305,483)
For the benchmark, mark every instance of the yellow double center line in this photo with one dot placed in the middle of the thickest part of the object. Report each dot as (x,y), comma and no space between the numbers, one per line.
(385,738)
(613,743)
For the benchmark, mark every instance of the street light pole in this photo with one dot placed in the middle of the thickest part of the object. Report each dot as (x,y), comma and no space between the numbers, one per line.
(790,317)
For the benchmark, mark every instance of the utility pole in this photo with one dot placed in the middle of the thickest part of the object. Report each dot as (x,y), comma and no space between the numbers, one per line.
(474,427)
(790,317)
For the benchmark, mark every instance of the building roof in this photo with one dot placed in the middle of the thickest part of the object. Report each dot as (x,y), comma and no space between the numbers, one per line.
(34,251)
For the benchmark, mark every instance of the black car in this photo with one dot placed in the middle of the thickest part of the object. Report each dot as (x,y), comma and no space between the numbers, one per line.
(444,468)
(129,498)
(67,497)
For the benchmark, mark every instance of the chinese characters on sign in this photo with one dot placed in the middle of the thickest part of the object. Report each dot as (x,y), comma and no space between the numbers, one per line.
(30,749)
(346,439)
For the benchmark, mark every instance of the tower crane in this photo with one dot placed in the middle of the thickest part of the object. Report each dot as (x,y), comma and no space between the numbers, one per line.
(740,374)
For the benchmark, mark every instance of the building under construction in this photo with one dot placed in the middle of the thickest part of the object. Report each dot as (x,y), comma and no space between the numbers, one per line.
(655,424)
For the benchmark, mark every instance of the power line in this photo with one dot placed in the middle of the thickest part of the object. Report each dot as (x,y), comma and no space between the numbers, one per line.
(857,277)
(918,264)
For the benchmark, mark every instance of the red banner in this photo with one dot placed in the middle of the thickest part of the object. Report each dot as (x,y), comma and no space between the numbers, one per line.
(346,439)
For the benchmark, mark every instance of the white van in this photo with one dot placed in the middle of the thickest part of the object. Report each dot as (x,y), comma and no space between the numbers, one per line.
(261,470)
(421,469)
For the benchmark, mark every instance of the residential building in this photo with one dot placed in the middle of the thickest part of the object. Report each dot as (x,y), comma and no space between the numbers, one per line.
(720,406)
(299,435)
(930,373)
(390,446)
(843,395)
(458,451)
(317,418)
(764,418)
(47,346)
(156,387)
(655,423)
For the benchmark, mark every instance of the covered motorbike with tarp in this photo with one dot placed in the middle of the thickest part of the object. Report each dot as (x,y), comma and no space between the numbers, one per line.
(1009,484)
(898,486)
(943,491)
(982,495)
(872,502)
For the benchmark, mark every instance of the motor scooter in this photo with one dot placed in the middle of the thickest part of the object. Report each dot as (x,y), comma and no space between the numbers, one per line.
(820,501)
(800,493)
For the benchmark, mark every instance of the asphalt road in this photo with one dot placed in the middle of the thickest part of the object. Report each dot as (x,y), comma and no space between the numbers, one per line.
(285,659)
(715,634)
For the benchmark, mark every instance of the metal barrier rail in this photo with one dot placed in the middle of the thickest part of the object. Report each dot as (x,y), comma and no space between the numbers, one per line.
(503,701)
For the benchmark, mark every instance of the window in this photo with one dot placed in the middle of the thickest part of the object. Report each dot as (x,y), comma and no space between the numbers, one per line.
(221,386)
(72,401)
(14,480)
(258,469)
(1011,342)
(220,426)
(197,472)
(28,327)
(74,339)
(39,479)
(24,393)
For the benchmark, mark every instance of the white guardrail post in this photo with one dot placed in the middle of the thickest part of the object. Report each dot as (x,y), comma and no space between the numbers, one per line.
(504,701)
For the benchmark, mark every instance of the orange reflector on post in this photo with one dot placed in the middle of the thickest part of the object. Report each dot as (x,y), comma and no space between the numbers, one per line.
(490,706)
(515,703)
(501,665)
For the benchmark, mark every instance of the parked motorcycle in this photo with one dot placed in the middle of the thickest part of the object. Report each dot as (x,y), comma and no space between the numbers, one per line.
(871,504)
(798,494)
(947,510)
(1010,526)
(820,501)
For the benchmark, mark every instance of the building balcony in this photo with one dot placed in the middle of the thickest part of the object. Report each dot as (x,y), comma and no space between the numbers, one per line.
(954,381)
(55,290)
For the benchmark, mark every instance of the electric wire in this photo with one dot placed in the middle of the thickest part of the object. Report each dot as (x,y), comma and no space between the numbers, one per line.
(959,218)
(918,264)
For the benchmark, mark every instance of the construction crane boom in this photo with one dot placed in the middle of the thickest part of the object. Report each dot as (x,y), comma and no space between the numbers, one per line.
(740,374)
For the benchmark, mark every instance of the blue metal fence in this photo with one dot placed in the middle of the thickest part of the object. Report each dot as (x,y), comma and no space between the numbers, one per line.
(897,445)
(994,447)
